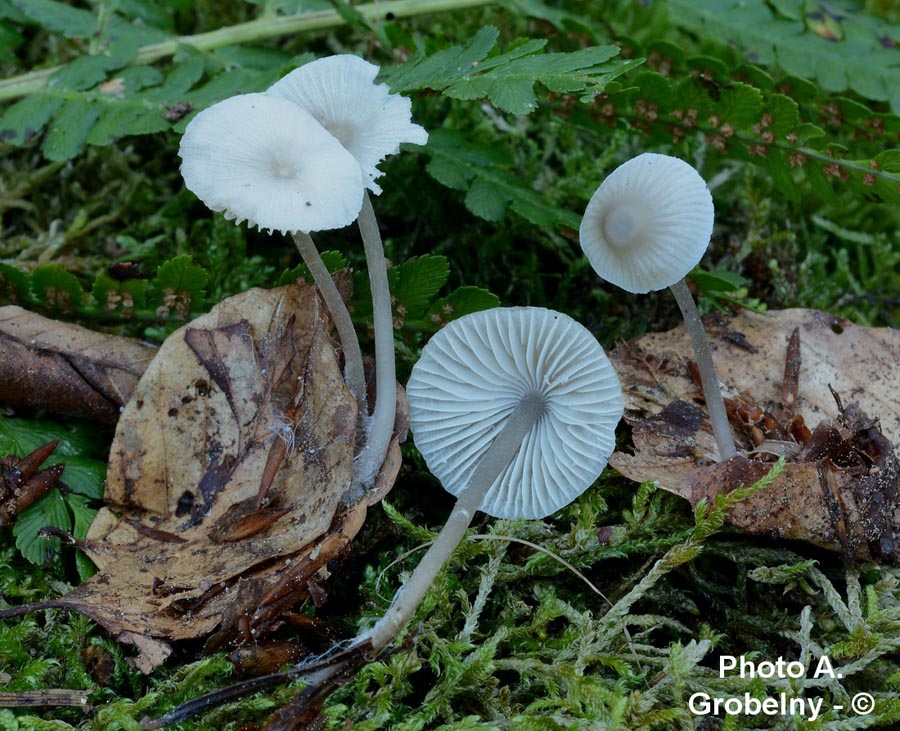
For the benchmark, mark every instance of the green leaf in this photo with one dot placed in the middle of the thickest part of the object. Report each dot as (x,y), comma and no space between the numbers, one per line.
(147,12)
(561,19)
(462,301)
(718,281)
(179,288)
(448,172)
(15,285)
(82,513)
(125,118)
(740,105)
(351,16)
(59,17)
(83,476)
(333,260)
(487,201)
(776,164)
(508,80)
(486,166)
(121,297)
(820,185)
(10,40)
(888,161)
(26,118)
(442,68)
(50,510)
(655,88)
(82,73)
(182,77)
(230,82)
(785,116)
(415,283)
(21,436)
(840,54)
(57,289)
(69,129)
(252,57)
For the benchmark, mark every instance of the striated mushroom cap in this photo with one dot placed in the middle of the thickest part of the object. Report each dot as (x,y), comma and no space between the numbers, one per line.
(341,93)
(472,375)
(648,224)
(262,159)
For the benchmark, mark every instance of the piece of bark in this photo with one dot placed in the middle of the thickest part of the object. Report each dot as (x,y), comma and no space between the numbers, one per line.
(66,369)
(22,482)
(47,697)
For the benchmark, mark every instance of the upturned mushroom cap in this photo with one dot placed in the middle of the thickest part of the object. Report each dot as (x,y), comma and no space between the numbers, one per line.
(648,224)
(341,93)
(262,159)
(472,375)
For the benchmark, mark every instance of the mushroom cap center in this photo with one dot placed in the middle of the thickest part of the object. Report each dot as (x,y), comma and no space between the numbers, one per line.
(534,401)
(284,169)
(620,225)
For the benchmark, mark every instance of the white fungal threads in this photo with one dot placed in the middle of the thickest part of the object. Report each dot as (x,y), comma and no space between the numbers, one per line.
(287,433)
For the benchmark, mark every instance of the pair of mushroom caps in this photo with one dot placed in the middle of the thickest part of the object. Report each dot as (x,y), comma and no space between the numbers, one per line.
(645,228)
(515,410)
(299,158)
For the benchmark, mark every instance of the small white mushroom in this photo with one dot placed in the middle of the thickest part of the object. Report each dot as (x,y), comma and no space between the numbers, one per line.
(473,375)
(645,228)
(262,159)
(341,93)
(514,410)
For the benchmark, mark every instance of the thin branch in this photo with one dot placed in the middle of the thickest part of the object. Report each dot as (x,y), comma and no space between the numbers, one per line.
(267,26)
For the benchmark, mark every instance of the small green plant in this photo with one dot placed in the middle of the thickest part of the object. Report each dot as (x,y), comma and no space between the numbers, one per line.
(69,507)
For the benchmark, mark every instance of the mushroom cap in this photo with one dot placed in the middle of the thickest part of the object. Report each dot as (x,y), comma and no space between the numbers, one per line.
(264,160)
(472,375)
(648,224)
(341,93)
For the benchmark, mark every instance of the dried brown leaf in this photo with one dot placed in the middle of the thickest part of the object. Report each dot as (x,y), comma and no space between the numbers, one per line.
(192,530)
(65,368)
(805,384)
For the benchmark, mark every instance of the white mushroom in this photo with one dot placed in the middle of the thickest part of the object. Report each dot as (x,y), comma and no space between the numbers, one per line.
(472,376)
(646,226)
(341,93)
(262,159)
(515,412)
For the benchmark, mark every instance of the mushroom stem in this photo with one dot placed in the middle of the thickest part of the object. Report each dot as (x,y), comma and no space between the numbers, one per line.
(382,425)
(495,459)
(708,378)
(353,364)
